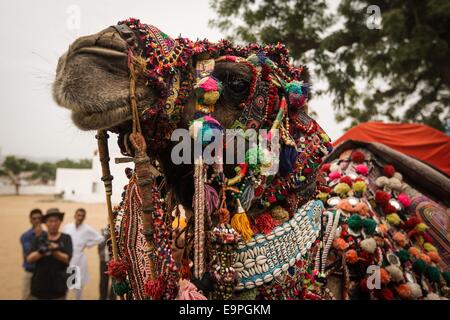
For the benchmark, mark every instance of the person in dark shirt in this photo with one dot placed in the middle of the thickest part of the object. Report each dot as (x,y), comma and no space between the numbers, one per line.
(51,252)
(26,241)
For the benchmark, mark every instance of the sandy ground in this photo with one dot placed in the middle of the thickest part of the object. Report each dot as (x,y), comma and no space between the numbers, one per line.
(14,221)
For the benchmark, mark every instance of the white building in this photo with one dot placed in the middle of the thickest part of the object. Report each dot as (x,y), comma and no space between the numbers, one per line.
(85,185)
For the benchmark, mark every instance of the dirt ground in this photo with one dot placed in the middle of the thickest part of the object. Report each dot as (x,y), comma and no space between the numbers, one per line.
(14,221)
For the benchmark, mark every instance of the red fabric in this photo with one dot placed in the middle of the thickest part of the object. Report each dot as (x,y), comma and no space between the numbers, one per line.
(416,140)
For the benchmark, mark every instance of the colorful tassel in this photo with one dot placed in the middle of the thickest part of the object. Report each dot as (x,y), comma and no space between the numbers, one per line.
(241,224)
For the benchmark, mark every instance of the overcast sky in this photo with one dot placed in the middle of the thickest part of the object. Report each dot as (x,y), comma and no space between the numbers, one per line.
(35,33)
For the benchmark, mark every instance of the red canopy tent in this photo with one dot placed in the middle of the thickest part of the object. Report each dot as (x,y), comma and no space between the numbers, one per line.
(416,140)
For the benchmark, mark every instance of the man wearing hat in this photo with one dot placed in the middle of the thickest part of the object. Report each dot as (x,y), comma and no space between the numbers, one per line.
(51,253)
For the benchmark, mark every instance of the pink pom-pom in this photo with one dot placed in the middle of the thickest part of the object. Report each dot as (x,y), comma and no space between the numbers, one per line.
(211,120)
(362,169)
(208,84)
(334,175)
(404,200)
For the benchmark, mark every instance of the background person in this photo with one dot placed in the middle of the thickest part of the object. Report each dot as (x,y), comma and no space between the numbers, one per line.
(105,285)
(26,241)
(83,236)
(51,252)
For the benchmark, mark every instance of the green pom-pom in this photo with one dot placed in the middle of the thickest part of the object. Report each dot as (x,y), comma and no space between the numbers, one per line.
(446,275)
(294,87)
(403,255)
(120,288)
(355,222)
(419,266)
(369,225)
(432,273)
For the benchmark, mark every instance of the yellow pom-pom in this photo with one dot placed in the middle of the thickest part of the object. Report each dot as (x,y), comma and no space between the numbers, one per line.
(278,213)
(341,189)
(211,97)
(359,186)
(429,247)
(421,227)
(393,219)
(240,223)
(322,196)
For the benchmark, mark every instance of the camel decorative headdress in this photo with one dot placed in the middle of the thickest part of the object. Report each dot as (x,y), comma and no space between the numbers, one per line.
(241,251)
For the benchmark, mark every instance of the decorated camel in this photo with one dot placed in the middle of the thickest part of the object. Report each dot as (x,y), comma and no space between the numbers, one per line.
(254,228)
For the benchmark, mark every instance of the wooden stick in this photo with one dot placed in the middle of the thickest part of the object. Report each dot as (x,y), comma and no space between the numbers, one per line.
(102,142)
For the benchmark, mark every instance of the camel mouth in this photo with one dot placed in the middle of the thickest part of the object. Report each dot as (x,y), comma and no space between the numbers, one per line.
(102,51)
(96,120)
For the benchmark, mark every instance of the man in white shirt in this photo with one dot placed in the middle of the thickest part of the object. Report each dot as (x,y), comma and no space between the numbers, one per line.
(83,236)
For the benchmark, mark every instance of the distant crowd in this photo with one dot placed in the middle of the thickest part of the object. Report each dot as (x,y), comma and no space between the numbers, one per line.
(55,261)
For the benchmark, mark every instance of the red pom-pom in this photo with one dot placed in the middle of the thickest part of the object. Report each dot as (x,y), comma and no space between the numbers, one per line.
(363,285)
(264,223)
(388,208)
(334,175)
(412,222)
(389,170)
(360,179)
(358,157)
(325,167)
(117,269)
(347,180)
(427,238)
(382,197)
(154,289)
(386,294)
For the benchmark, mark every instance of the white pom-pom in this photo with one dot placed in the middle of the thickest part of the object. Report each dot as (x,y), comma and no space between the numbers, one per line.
(398,176)
(395,184)
(381,181)
(335,167)
(395,272)
(416,290)
(195,128)
(369,245)
(432,296)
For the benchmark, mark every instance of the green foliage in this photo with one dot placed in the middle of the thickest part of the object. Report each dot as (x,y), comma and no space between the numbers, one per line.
(80,164)
(13,166)
(400,72)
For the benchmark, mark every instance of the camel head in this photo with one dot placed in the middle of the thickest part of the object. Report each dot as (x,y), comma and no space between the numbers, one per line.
(92,81)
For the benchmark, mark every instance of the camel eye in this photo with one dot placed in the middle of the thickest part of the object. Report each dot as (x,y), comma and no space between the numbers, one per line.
(238,86)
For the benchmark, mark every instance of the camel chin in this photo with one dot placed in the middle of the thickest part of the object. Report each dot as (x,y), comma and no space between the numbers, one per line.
(101,120)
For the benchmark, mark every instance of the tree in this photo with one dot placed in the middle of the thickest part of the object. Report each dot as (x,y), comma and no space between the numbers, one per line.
(399,72)
(14,168)
(80,164)
(46,172)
